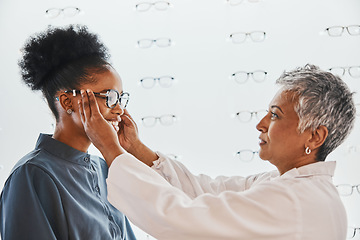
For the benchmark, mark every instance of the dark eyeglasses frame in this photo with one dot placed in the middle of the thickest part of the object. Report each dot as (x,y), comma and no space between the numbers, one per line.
(106,95)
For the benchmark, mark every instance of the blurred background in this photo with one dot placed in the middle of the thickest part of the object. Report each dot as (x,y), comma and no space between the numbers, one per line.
(200,74)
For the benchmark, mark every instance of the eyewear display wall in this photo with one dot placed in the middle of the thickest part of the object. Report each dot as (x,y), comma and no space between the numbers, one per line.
(242,41)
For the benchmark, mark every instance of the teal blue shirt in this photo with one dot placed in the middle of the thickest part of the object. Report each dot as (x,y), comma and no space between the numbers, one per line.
(58,192)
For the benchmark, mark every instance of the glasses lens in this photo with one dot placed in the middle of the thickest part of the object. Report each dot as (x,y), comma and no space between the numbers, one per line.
(339,71)
(234,2)
(53,12)
(335,31)
(124,100)
(240,77)
(148,121)
(71,11)
(244,116)
(257,36)
(163,42)
(344,189)
(112,98)
(259,76)
(167,120)
(162,5)
(145,43)
(245,155)
(238,37)
(147,82)
(353,30)
(166,81)
(142,7)
(354,71)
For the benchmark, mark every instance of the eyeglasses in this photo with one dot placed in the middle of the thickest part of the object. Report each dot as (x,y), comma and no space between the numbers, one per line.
(240,37)
(347,189)
(353,71)
(165,120)
(159,5)
(160,42)
(351,232)
(164,81)
(246,155)
(112,97)
(246,116)
(237,2)
(337,31)
(242,76)
(67,12)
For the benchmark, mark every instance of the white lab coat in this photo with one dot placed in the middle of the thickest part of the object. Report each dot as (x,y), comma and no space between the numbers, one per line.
(173,204)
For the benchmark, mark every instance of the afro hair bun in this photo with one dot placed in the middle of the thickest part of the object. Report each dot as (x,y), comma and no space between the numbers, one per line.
(46,52)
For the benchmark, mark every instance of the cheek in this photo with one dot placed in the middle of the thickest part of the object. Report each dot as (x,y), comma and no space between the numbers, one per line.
(105,111)
(280,136)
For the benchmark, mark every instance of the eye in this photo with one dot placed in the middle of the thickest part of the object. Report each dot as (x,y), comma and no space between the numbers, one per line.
(274,116)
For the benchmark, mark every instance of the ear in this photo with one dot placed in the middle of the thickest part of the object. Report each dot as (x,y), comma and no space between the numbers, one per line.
(65,102)
(318,137)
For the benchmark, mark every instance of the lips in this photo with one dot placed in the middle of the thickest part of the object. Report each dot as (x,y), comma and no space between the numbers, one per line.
(115,123)
(262,141)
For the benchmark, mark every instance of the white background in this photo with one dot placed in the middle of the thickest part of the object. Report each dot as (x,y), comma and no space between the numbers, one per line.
(206,135)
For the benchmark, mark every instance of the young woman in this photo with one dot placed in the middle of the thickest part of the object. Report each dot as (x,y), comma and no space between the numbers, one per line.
(308,118)
(58,191)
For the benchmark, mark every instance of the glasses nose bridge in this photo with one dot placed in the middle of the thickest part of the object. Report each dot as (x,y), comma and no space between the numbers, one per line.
(357,188)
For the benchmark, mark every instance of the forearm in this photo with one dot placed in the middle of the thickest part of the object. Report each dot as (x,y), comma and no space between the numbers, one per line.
(143,153)
(181,177)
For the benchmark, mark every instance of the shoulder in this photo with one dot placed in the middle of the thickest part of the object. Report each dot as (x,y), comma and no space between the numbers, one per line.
(30,170)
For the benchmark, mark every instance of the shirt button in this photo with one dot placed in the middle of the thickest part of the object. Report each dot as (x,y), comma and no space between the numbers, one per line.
(97,189)
(86,159)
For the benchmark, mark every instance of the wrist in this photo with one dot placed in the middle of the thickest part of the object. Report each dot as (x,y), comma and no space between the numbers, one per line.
(143,153)
(111,152)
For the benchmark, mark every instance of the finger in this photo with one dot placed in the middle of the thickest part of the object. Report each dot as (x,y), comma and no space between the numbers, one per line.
(85,105)
(94,107)
(126,112)
(81,111)
(128,116)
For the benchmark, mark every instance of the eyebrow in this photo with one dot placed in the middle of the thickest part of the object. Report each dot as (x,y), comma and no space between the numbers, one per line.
(275,106)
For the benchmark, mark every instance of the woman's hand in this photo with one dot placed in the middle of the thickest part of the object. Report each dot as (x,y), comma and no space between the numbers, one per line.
(128,133)
(129,139)
(99,131)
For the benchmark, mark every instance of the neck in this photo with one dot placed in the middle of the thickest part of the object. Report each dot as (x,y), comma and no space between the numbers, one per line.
(297,163)
(72,137)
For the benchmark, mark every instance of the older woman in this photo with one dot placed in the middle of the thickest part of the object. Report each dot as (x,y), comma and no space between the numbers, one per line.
(308,118)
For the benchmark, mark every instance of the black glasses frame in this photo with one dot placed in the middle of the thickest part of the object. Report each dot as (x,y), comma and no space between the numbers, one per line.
(123,95)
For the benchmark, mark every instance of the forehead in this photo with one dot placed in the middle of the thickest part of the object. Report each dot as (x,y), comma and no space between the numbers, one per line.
(284,99)
(108,79)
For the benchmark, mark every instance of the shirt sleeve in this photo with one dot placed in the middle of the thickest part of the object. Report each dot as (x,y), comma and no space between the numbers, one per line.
(31,207)
(194,185)
(167,212)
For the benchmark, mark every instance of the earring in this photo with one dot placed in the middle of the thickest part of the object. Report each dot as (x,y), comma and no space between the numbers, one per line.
(69,111)
(307,150)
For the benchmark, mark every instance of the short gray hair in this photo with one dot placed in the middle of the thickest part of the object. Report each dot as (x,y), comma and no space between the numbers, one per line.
(323,100)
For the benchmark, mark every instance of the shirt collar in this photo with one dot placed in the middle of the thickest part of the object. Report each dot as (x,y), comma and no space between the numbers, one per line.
(313,169)
(61,150)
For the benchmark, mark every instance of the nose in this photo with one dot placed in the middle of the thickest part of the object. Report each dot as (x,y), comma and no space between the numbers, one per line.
(262,126)
(117,109)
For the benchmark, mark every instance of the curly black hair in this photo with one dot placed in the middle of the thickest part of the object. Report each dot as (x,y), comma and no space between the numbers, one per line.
(62,58)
